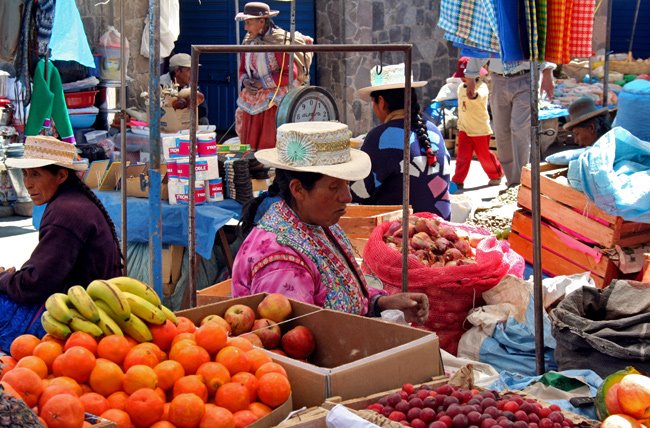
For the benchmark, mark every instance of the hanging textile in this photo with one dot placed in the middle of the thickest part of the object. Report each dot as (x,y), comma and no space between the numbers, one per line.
(542,10)
(555,30)
(44,19)
(512,36)
(467,23)
(531,27)
(10,14)
(582,26)
(69,41)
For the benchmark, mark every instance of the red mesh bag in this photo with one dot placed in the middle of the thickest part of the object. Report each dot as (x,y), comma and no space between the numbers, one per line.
(454,290)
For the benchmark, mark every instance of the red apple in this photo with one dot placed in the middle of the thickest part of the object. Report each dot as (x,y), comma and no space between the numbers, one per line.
(216,318)
(253,338)
(240,317)
(298,342)
(275,307)
(268,332)
(278,351)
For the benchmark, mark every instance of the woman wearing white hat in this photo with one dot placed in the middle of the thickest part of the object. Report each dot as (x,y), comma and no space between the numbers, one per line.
(264,77)
(297,248)
(77,239)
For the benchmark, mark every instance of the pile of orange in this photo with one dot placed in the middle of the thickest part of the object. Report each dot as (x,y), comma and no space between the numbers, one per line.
(187,377)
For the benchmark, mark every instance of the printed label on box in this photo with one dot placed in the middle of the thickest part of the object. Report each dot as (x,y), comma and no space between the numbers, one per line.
(215,190)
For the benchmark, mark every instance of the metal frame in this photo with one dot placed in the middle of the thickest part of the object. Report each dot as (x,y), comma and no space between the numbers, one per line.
(197,50)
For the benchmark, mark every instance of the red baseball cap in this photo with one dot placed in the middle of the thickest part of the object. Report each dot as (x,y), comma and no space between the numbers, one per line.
(462,65)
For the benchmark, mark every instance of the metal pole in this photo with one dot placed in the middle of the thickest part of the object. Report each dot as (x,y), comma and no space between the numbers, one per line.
(123,136)
(191,236)
(238,39)
(198,49)
(535,155)
(406,183)
(291,39)
(155,212)
(608,31)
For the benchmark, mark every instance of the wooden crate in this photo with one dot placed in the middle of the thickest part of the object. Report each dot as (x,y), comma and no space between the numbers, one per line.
(566,206)
(360,220)
(214,293)
(562,254)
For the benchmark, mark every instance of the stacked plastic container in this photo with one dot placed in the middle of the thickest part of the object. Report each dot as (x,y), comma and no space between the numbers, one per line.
(176,151)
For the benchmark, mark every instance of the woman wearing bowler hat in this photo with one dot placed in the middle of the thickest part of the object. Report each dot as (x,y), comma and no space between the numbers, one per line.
(77,242)
(264,76)
(587,122)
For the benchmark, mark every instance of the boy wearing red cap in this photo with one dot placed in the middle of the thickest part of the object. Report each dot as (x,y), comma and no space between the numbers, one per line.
(474,131)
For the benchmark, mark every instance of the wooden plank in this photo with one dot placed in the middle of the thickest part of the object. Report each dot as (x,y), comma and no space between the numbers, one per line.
(561,214)
(552,264)
(360,220)
(369,210)
(358,244)
(561,244)
(565,194)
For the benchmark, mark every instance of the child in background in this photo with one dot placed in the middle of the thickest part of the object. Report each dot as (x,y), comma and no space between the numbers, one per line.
(474,131)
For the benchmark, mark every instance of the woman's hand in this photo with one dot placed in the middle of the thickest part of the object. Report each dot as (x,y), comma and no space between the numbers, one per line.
(8,270)
(252,86)
(414,305)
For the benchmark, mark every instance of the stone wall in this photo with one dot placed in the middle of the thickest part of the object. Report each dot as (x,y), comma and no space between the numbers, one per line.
(380,21)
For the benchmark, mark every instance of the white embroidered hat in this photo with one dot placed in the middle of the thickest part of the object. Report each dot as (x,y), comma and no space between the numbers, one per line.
(387,77)
(42,151)
(320,147)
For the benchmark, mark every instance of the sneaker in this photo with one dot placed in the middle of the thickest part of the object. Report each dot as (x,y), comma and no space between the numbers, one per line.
(495,181)
(455,187)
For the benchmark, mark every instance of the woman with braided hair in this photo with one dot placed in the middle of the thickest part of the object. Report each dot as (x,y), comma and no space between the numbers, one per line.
(77,239)
(429,166)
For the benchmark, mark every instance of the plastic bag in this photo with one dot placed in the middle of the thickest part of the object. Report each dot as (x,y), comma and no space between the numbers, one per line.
(109,47)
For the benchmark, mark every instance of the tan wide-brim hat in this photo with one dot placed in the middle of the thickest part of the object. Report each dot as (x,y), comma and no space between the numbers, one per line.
(319,147)
(254,10)
(385,78)
(583,109)
(42,151)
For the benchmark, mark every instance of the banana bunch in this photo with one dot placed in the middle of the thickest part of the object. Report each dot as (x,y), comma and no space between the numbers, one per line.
(118,306)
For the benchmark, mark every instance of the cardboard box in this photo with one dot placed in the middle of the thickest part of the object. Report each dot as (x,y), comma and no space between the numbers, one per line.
(172,120)
(172,263)
(360,220)
(214,293)
(133,187)
(275,417)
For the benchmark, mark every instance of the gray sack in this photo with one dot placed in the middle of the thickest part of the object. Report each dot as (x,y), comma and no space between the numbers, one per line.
(604,330)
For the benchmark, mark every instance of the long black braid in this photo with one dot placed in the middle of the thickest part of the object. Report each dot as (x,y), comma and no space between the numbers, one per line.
(74,181)
(279,187)
(394,99)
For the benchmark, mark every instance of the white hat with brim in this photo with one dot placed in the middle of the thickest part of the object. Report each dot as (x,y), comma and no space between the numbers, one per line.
(42,151)
(255,10)
(386,78)
(357,168)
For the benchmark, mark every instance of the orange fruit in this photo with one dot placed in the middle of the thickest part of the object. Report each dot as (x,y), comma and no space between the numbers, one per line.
(211,336)
(163,424)
(164,334)
(10,389)
(94,403)
(241,343)
(191,358)
(165,416)
(161,393)
(233,396)
(57,366)
(271,367)
(7,363)
(273,389)
(85,388)
(257,357)
(249,381)
(217,417)
(234,359)
(153,348)
(184,336)
(117,400)
(244,418)
(66,381)
(35,364)
(137,377)
(114,348)
(63,411)
(168,372)
(48,351)
(192,384)
(140,356)
(27,383)
(120,417)
(144,407)
(219,320)
(79,338)
(185,325)
(186,411)
(51,390)
(178,346)
(23,346)
(49,338)
(260,409)
(214,375)
(106,378)
(78,362)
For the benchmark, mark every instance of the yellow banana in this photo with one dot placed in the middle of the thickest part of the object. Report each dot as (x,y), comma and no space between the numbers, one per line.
(79,323)
(136,328)
(107,324)
(171,316)
(57,306)
(112,296)
(144,310)
(54,327)
(137,287)
(82,302)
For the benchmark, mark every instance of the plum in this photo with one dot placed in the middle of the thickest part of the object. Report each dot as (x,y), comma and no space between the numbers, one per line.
(459,421)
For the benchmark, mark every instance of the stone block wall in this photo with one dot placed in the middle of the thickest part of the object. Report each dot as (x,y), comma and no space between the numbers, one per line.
(380,22)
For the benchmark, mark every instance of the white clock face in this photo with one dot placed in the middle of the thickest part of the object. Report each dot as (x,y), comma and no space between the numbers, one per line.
(313,107)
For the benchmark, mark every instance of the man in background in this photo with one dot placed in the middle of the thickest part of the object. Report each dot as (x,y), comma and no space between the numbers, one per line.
(178,77)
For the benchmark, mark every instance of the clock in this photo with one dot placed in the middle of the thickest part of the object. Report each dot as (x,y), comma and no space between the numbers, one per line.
(307,104)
